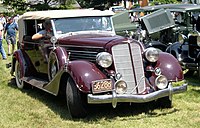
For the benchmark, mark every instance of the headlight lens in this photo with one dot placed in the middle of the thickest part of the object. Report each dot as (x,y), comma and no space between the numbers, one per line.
(121,87)
(198,41)
(181,38)
(161,82)
(152,54)
(104,59)
(193,33)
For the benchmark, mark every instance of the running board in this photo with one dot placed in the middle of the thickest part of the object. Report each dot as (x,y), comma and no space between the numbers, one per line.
(38,82)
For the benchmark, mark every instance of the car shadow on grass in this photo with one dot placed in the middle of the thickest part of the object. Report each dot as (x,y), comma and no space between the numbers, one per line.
(193,80)
(132,111)
(96,112)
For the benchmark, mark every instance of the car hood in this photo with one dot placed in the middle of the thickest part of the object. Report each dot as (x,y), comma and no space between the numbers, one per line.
(95,40)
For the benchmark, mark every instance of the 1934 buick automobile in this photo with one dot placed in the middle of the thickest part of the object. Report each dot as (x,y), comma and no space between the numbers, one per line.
(87,62)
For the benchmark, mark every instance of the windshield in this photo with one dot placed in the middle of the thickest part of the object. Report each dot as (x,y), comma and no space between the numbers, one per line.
(77,24)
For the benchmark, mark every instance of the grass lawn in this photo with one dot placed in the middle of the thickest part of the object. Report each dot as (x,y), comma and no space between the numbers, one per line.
(33,108)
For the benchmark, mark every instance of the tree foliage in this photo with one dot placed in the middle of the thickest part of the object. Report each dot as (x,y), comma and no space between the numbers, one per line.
(16,4)
(20,6)
(93,3)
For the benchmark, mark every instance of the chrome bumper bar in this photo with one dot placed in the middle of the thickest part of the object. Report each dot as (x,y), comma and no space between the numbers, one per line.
(114,98)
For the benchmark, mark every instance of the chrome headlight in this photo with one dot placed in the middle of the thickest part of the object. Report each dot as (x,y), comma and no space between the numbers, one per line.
(198,41)
(181,38)
(104,59)
(120,87)
(161,82)
(193,33)
(152,54)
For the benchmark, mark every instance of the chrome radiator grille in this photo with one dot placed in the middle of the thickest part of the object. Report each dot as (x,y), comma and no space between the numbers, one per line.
(84,53)
(128,62)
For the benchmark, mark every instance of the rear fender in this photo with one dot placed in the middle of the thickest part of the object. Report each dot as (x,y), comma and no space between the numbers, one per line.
(170,67)
(18,56)
(83,73)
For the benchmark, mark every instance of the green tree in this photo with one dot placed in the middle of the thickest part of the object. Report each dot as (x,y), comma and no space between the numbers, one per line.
(23,5)
(93,3)
(16,4)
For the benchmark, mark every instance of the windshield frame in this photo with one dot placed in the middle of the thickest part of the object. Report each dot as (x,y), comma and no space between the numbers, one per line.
(74,22)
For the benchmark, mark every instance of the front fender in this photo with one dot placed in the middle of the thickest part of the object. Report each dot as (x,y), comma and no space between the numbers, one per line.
(83,73)
(156,44)
(170,67)
(174,49)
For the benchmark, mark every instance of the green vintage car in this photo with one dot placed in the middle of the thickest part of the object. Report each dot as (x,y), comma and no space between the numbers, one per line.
(156,28)
(147,29)
(122,23)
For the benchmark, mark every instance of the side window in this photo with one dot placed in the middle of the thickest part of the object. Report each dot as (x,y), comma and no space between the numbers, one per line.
(39,25)
(29,31)
(32,27)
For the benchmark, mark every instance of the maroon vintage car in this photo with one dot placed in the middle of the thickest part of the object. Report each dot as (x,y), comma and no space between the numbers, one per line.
(87,62)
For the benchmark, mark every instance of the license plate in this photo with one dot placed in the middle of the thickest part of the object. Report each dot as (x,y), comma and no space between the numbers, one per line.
(99,86)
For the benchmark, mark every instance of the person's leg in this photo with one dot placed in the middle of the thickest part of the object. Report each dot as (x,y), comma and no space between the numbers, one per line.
(8,39)
(13,42)
(9,53)
(3,53)
(13,48)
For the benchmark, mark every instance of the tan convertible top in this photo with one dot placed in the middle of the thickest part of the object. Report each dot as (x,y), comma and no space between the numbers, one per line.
(51,14)
(64,13)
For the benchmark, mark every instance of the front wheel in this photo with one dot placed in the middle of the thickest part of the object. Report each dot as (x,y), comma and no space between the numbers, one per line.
(18,73)
(75,100)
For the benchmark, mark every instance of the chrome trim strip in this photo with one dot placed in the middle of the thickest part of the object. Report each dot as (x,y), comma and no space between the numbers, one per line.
(81,46)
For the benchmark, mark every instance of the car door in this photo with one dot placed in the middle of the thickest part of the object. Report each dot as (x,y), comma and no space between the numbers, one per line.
(36,49)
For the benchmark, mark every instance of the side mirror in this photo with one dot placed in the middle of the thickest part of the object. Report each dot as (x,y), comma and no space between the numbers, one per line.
(53,41)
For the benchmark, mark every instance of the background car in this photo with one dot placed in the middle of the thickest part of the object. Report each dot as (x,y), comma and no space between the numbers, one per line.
(87,63)
(130,23)
(180,39)
(117,9)
(187,47)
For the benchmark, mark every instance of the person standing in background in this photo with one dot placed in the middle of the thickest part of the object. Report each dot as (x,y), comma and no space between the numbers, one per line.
(2,51)
(15,19)
(2,20)
(10,32)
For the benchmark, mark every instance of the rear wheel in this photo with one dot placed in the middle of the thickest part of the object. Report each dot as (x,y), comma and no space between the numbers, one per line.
(76,101)
(18,73)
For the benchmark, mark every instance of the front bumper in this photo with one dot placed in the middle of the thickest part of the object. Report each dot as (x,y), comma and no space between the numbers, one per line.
(114,98)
